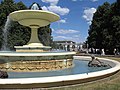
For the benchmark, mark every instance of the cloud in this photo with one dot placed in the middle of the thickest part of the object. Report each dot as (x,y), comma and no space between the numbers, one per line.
(88,14)
(77,0)
(70,31)
(71,35)
(54,8)
(73,38)
(57,9)
(52,2)
(53,29)
(44,8)
(60,37)
(62,21)
(94,0)
(74,0)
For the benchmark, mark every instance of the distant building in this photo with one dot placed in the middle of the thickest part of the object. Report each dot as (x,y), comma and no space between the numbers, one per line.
(69,45)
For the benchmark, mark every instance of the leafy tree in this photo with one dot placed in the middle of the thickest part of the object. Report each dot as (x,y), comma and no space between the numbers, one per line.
(115,23)
(98,26)
(45,35)
(104,31)
(20,6)
(6,7)
(18,34)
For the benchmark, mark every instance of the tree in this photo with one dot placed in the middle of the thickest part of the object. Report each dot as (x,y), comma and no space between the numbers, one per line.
(115,23)
(98,26)
(21,6)
(18,34)
(104,31)
(6,7)
(45,35)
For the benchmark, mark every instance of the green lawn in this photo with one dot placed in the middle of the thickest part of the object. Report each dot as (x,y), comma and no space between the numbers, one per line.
(110,83)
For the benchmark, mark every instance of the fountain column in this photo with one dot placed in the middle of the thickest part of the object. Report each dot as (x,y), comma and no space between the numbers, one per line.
(34,40)
(34,36)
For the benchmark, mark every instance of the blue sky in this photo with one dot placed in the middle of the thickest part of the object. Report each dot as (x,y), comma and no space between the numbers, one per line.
(76,16)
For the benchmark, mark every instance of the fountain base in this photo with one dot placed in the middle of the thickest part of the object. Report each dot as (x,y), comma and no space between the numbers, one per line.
(32,47)
(35,61)
(35,66)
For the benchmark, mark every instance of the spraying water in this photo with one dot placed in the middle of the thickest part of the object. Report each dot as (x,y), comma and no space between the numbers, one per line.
(5,34)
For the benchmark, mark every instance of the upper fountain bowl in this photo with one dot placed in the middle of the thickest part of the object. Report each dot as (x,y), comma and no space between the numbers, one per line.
(34,18)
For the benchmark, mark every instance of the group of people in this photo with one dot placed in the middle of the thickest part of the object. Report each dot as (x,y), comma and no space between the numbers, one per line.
(95,62)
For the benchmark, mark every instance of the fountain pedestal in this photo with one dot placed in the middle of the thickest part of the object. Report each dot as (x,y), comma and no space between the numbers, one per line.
(33,19)
(34,36)
(34,45)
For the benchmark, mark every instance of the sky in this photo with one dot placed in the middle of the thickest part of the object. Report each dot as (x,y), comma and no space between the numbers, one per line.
(75,17)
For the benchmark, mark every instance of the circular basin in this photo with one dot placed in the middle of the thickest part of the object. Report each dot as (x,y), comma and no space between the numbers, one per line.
(35,61)
(34,18)
(71,77)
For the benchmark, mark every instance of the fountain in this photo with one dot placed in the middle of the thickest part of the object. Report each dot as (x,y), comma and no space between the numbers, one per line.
(35,56)
(34,66)
(5,33)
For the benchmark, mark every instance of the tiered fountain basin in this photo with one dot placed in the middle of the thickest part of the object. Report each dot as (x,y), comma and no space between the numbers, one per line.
(32,62)
(72,76)
(33,19)
(35,56)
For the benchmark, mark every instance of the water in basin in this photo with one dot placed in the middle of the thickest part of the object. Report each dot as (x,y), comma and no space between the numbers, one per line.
(79,67)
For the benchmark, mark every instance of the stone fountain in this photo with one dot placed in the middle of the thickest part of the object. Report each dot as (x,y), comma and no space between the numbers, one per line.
(34,56)
(34,19)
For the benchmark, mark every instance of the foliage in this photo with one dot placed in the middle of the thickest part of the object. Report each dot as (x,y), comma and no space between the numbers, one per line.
(18,34)
(45,35)
(104,32)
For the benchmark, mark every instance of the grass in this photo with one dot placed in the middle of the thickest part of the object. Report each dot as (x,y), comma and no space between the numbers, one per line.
(109,83)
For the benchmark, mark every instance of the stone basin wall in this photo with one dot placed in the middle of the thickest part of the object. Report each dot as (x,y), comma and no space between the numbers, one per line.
(43,65)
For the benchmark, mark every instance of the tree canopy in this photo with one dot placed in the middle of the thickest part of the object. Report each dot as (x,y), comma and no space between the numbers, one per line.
(104,32)
(18,34)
